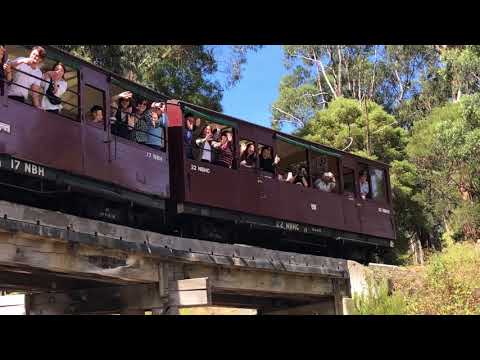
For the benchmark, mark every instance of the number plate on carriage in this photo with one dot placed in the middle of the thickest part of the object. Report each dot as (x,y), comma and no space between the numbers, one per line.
(24,167)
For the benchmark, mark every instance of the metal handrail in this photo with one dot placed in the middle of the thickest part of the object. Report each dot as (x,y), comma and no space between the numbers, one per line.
(41,93)
(42,79)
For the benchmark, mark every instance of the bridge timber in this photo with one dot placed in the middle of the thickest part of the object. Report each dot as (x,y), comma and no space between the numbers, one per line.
(71,265)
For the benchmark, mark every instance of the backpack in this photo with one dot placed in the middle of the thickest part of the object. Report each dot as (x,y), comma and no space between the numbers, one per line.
(54,99)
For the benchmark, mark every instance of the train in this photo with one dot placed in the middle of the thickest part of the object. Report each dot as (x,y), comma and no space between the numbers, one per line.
(68,163)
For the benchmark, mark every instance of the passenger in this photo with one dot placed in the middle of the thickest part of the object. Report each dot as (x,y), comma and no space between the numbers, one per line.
(225,151)
(3,62)
(122,119)
(157,122)
(248,157)
(364,187)
(96,114)
(204,142)
(140,135)
(28,77)
(266,161)
(54,87)
(326,182)
(191,125)
(301,177)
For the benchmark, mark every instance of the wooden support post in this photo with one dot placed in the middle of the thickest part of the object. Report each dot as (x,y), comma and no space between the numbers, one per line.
(338,294)
(189,293)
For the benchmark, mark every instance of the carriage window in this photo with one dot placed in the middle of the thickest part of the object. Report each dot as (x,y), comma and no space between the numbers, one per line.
(348,180)
(248,154)
(94,105)
(137,118)
(324,170)
(377,180)
(208,141)
(292,167)
(64,94)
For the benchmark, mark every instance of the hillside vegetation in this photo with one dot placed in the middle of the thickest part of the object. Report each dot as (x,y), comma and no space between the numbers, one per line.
(449,284)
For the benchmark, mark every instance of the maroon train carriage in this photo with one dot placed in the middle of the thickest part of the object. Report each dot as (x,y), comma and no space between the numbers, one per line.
(68,162)
(241,204)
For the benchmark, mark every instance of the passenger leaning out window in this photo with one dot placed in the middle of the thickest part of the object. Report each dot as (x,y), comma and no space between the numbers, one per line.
(140,134)
(157,122)
(204,142)
(122,119)
(96,114)
(266,161)
(364,187)
(225,150)
(26,73)
(54,87)
(326,182)
(248,157)
(191,125)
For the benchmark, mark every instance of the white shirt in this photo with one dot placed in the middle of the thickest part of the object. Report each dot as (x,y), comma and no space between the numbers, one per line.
(62,87)
(364,188)
(321,185)
(24,80)
(207,151)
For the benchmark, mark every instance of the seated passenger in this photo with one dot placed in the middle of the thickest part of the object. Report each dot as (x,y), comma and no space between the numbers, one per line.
(301,177)
(54,87)
(28,77)
(157,120)
(204,142)
(326,182)
(140,134)
(96,114)
(225,151)
(266,161)
(122,120)
(364,187)
(248,157)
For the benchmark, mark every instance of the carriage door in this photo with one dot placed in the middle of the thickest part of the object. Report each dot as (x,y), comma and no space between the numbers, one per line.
(351,203)
(95,135)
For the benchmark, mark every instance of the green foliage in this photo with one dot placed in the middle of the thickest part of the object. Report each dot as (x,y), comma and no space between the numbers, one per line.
(344,122)
(179,71)
(378,300)
(445,147)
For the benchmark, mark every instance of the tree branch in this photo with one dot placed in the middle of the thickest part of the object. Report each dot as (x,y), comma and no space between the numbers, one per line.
(298,121)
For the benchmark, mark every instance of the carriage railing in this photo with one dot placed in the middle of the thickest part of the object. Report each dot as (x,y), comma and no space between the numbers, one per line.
(7,84)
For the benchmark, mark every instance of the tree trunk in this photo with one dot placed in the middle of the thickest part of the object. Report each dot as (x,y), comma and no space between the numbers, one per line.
(417,251)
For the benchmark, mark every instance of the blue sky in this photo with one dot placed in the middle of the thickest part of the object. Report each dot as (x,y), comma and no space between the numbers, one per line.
(251,98)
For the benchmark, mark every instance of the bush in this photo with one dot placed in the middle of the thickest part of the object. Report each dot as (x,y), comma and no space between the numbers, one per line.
(378,300)
(452,279)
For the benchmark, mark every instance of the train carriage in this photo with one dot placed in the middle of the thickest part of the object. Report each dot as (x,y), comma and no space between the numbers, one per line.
(269,212)
(65,159)
(69,163)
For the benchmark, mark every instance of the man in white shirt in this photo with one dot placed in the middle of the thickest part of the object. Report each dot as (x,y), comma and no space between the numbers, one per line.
(28,77)
(326,182)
